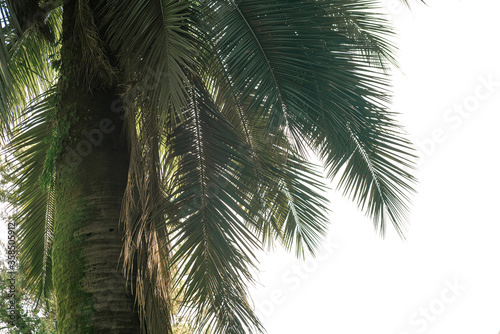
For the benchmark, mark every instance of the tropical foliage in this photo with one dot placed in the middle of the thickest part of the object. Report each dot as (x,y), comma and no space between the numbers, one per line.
(222,102)
(27,313)
(30,315)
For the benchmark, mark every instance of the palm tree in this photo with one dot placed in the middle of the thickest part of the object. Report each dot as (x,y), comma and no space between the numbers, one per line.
(164,141)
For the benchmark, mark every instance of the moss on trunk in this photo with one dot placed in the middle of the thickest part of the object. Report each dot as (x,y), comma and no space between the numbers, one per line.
(92,172)
(74,304)
(92,176)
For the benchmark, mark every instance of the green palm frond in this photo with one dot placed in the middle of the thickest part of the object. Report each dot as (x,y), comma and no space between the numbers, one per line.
(32,13)
(273,174)
(377,176)
(5,78)
(27,53)
(315,71)
(34,203)
(209,230)
(305,221)
(156,46)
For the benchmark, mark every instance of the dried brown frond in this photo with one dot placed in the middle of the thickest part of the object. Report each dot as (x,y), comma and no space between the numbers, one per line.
(146,245)
(98,69)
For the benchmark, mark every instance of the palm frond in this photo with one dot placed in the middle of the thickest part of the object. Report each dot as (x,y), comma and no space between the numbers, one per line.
(305,222)
(377,176)
(32,13)
(271,176)
(315,71)
(97,65)
(86,55)
(208,216)
(34,204)
(156,47)
(146,247)
(27,53)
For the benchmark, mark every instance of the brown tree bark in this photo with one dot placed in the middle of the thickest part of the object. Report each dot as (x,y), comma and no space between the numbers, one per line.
(91,290)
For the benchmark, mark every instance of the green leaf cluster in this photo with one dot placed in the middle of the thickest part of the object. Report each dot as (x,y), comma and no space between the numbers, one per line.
(223,101)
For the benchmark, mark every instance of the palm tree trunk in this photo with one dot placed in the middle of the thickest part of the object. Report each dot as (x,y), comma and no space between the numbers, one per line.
(91,290)
(89,283)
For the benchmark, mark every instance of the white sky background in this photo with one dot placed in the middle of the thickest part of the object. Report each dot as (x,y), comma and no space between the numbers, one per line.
(445,278)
